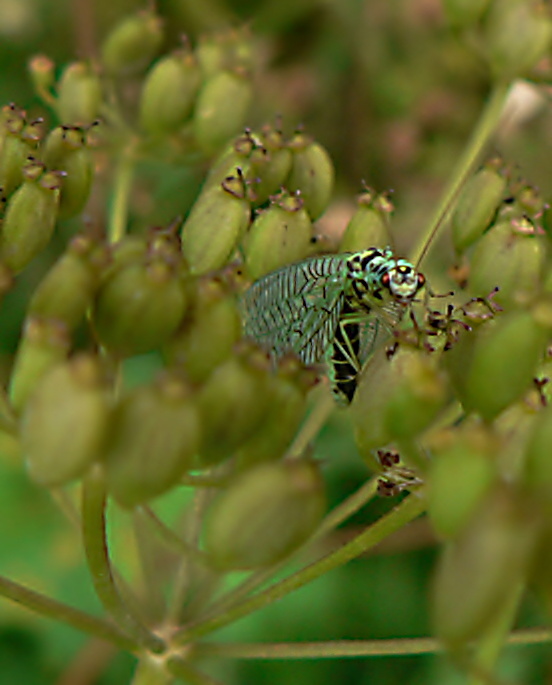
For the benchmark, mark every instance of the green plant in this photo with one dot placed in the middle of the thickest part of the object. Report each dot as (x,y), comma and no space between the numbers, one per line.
(131,380)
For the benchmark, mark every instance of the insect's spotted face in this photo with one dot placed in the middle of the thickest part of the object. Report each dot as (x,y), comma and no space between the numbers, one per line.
(378,275)
(403,282)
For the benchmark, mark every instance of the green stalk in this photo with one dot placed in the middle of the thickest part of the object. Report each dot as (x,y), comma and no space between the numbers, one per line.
(123,184)
(409,509)
(97,556)
(50,608)
(480,139)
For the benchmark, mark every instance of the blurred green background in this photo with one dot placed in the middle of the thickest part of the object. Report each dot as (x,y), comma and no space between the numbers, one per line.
(393,94)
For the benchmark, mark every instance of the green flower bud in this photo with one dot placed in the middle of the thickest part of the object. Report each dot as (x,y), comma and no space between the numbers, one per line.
(68,289)
(141,305)
(169,93)
(509,256)
(369,225)
(270,170)
(477,204)
(462,471)
(278,236)
(79,95)
(66,149)
(210,330)
(221,109)
(518,35)
(154,437)
(233,402)
(464,13)
(16,148)
(65,422)
(30,217)
(216,222)
(41,71)
(478,572)
(132,44)
(264,515)
(312,173)
(42,346)
(499,364)
(288,403)
(402,396)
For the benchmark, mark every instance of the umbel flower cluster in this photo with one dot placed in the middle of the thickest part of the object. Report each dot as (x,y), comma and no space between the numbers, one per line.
(453,388)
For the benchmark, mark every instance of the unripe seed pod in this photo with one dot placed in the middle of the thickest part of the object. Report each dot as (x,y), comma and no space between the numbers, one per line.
(68,289)
(501,364)
(478,572)
(65,422)
(225,50)
(538,465)
(131,249)
(518,35)
(79,95)
(269,171)
(279,235)
(232,161)
(464,13)
(209,333)
(140,306)
(477,204)
(17,147)
(154,437)
(264,515)
(221,109)
(132,44)
(169,92)
(30,217)
(65,149)
(312,173)
(233,402)
(509,256)
(288,393)
(402,396)
(463,470)
(42,346)
(369,225)
(41,71)
(216,222)
(419,392)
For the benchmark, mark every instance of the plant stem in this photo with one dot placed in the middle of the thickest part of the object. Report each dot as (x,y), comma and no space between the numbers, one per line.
(51,608)
(348,648)
(97,556)
(122,184)
(480,138)
(410,508)
(151,672)
(182,670)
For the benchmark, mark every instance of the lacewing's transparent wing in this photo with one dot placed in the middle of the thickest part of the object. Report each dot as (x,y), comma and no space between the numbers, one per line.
(297,308)
(333,308)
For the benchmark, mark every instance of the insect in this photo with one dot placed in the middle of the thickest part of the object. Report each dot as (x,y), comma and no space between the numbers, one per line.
(331,309)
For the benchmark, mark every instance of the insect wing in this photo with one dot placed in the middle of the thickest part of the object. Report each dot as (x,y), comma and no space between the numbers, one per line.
(297,308)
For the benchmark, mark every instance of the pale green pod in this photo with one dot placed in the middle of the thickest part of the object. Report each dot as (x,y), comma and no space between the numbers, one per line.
(221,109)
(264,515)
(65,422)
(312,174)
(217,220)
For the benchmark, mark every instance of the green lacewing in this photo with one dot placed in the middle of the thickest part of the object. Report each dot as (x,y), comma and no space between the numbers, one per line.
(331,309)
